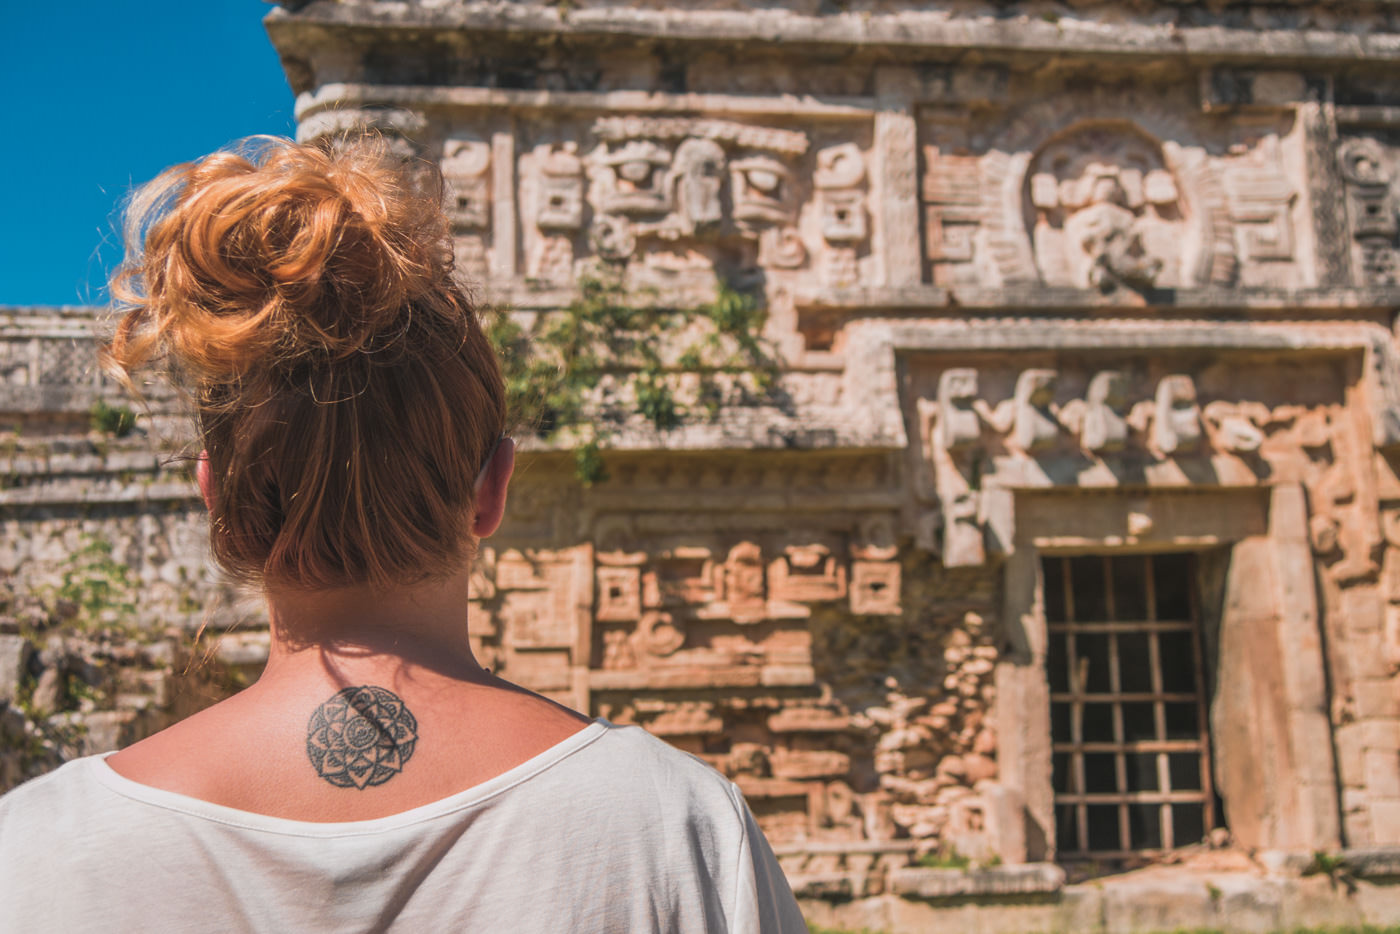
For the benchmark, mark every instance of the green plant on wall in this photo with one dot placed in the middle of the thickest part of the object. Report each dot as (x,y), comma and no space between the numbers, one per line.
(581,372)
(96,586)
(117,421)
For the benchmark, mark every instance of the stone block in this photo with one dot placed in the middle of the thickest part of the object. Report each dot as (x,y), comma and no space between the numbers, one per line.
(799,764)
(1385,822)
(107,730)
(927,883)
(1160,904)
(1373,861)
(1379,905)
(1383,773)
(866,914)
(1350,743)
(828,886)
(242,649)
(787,676)
(14,656)
(685,721)
(1247,903)
(1317,902)
(1377,698)
(808,720)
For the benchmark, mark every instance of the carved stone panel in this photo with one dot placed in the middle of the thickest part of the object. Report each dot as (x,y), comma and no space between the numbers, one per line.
(1063,421)
(557,187)
(953,213)
(1261,206)
(1368,168)
(840,183)
(466,168)
(875,588)
(807,574)
(1107,212)
(667,185)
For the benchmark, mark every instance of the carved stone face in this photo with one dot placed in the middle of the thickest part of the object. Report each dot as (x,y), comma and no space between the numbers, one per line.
(561,203)
(561,191)
(957,384)
(699,173)
(761,191)
(843,216)
(1104,211)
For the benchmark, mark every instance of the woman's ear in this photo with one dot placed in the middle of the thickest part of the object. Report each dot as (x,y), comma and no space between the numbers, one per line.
(206,480)
(491,489)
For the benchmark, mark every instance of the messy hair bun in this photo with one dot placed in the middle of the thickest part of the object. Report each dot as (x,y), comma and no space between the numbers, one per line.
(346,395)
(274,255)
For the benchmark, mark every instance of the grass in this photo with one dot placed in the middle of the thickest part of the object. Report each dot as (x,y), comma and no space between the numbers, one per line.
(1348,929)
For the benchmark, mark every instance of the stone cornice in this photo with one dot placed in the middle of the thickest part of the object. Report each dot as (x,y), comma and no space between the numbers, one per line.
(1184,32)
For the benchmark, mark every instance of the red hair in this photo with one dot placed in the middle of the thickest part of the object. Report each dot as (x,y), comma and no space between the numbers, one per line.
(344,390)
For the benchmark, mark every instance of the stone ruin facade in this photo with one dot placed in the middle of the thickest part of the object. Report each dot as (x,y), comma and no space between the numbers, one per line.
(1073,530)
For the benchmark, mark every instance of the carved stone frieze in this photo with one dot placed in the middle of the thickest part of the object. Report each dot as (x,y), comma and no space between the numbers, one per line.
(1121,194)
(466,167)
(875,588)
(994,428)
(670,181)
(1368,169)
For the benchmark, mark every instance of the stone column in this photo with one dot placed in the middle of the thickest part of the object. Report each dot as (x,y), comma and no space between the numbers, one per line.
(896,171)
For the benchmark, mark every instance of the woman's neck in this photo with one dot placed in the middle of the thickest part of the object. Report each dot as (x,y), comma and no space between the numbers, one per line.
(360,631)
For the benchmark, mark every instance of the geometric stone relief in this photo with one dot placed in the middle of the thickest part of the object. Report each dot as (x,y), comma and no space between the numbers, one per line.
(952,215)
(645,601)
(1261,205)
(1368,169)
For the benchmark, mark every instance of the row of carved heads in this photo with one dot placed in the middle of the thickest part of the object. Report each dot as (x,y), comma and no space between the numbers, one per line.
(672,179)
(1102,420)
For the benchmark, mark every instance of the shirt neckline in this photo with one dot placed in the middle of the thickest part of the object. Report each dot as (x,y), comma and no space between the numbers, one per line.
(109,778)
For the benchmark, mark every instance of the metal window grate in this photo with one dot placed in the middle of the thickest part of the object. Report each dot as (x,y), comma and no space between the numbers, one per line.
(1131,753)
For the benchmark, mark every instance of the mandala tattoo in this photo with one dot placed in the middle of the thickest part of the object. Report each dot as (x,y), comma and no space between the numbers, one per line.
(360,737)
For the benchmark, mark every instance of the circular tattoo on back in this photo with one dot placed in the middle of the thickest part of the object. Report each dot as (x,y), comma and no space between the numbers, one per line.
(360,737)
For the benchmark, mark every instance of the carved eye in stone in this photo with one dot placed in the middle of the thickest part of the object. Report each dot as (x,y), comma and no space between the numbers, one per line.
(635,172)
(764,180)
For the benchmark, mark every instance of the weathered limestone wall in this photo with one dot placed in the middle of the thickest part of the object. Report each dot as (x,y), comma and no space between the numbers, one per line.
(105,575)
(1126,284)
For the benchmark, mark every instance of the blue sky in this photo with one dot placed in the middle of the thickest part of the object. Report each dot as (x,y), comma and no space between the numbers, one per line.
(103,94)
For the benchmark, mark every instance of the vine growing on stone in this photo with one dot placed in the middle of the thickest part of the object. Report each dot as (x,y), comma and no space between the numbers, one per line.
(577,375)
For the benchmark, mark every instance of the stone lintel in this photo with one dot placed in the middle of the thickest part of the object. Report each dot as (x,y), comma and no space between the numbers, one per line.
(332,97)
(843,847)
(678,678)
(923,298)
(1369,115)
(1029,879)
(1373,861)
(925,33)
